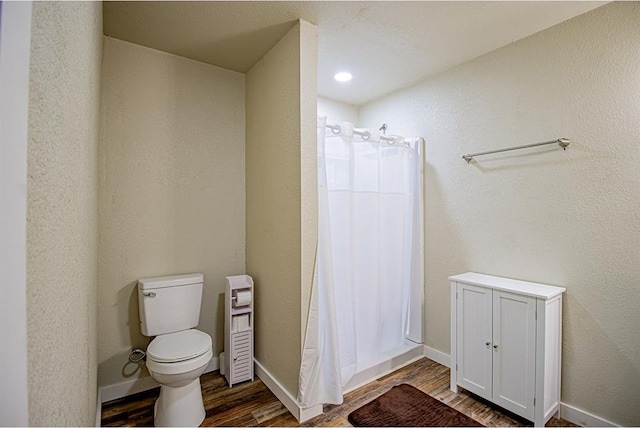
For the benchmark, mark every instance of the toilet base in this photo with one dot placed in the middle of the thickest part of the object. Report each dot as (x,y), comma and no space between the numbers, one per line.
(179,406)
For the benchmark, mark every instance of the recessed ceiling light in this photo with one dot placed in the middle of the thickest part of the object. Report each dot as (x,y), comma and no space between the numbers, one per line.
(343,76)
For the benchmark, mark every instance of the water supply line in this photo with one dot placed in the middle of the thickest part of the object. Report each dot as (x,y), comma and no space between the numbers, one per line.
(137,355)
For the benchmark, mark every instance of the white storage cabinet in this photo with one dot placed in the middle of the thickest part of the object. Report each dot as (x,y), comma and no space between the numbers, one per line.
(506,343)
(238,334)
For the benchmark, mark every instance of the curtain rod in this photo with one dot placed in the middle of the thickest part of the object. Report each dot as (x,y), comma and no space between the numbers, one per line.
(365,135)
(563,142)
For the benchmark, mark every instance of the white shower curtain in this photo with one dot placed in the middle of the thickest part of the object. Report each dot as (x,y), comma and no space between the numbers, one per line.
(369,257)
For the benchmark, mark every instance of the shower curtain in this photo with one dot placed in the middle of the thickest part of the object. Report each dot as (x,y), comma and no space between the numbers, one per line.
(370,257)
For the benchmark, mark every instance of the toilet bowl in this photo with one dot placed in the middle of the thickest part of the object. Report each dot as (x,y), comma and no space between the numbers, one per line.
(176,361)
(169,308)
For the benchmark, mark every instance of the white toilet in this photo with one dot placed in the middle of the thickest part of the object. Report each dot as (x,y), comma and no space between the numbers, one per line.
(169,309)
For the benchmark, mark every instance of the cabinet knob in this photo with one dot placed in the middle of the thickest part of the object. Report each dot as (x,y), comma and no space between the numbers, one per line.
(495,346)
(488,343)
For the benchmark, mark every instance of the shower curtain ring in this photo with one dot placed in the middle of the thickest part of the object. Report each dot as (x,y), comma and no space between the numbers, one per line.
(336,129)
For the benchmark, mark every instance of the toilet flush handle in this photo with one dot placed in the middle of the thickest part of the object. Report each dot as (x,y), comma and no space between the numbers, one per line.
(149,294)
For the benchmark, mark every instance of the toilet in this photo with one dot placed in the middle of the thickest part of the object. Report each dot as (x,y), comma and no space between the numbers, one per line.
(169,309)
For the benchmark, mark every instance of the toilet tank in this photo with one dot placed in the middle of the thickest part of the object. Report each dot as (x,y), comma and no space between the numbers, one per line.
(169,303)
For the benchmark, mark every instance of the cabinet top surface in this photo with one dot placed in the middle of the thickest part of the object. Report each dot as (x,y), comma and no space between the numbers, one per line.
(534,289)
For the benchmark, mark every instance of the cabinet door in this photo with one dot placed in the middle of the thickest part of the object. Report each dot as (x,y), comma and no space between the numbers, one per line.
(514,352)
(241,357)
(474,339)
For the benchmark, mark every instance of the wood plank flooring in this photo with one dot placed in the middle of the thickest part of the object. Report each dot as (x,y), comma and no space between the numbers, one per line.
(252,404)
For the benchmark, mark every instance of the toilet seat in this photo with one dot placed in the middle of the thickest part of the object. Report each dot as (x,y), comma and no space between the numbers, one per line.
(181,367)
(179,346)
(179,352)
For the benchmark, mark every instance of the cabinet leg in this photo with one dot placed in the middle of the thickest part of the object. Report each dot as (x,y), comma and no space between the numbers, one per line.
(538,421)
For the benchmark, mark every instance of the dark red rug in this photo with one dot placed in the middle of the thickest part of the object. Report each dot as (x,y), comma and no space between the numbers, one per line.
(406,406)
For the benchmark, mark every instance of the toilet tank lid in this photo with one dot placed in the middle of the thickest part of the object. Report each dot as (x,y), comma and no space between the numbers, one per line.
(170,281)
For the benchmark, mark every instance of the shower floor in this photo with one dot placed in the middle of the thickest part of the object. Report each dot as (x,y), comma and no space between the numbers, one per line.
(384,364)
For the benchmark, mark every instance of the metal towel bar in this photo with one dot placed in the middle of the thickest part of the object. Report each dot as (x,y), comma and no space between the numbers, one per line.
(563,142)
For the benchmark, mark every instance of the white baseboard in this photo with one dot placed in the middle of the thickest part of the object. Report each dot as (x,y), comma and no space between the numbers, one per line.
(437,356)
(129,387)
(214,365)
(582,418)
(379,370)
(133,386)
(291,403)
(99,409)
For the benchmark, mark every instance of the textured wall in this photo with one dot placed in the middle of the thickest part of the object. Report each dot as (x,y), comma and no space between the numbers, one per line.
(336,111)
(276,229)
(569,218)
(171,189)
(66,50)
(308,165)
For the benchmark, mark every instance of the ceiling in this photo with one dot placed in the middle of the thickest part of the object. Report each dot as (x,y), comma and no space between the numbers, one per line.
(386,45)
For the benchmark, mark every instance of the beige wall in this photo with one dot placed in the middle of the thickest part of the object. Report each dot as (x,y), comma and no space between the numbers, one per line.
(277,222)
(171,189)
(569,218)
(66,50)
(337,111)
(308,164)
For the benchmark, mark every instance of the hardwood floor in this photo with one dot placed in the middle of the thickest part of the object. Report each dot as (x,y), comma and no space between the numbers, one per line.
(252,404)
